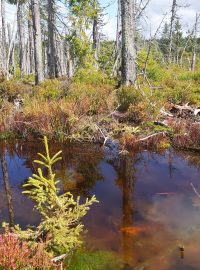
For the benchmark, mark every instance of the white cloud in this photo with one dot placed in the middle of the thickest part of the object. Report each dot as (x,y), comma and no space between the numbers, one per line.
(154,14)
(158,8)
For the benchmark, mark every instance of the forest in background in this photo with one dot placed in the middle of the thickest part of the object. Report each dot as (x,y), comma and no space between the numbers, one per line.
(61,77)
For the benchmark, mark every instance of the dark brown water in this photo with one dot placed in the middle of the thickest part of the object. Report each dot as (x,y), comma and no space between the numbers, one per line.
(148,215)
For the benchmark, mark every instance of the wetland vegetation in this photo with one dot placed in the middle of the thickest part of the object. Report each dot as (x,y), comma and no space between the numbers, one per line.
(124,192)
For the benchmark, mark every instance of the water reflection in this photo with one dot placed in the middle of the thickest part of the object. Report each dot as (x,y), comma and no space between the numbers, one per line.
(7,185)
(147,212)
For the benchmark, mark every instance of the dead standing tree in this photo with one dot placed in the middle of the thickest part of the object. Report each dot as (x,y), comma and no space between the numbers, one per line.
(152,39)
(174,16)
(130,12)
(95,31)
(128,70)
(37,41)
(21,37)
(3,42)
(51,55)
(194,43)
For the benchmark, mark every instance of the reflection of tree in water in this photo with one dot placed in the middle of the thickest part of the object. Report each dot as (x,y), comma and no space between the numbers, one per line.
(78,169)
(126,181)
(7,185)
(82,175)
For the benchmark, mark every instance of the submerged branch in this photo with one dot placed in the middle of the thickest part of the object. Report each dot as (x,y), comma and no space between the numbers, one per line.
(195,190)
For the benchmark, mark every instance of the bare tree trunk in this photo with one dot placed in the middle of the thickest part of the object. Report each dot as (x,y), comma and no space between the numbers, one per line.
(95,33)
(21,37)
(95,44)
(57,58)
(128,42)
(193,62)
(11,60)
(27,58)
(150,47)
(39,77)
(184,49)
(31,45)
(3,24)
(117,51)
(173,17)
(51,40)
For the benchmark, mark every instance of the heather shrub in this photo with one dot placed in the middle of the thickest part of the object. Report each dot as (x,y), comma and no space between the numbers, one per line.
(90,99)
(11,90)
(145,110)
(19,255)
(186,136)
(42,118)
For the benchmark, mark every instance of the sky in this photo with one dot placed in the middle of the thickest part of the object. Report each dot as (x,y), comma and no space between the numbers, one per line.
(152,18)
(153,15)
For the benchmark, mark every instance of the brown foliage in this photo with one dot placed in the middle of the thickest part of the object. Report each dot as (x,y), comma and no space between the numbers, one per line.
(17,255)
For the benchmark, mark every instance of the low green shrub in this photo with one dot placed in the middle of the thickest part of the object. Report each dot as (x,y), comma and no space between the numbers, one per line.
(97,260)
(127,96)
(92,77)
(50,90)
(28,79)
(190,76)
(177,92)
(178,96)
(154,68)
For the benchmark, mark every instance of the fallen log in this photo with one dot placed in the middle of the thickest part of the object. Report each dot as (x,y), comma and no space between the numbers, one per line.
(195,190)
(183,111)
(164,134)
(165,113)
